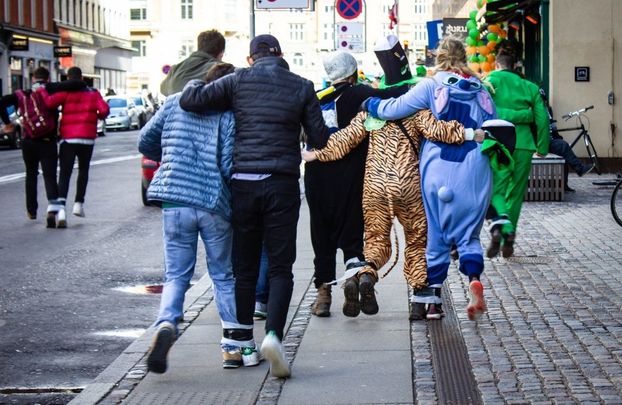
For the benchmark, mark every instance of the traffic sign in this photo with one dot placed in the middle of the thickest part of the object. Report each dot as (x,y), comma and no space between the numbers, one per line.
(276,4)
(349,9)
(350,37)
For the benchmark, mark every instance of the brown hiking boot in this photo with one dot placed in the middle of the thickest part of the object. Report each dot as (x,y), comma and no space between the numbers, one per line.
(321,306)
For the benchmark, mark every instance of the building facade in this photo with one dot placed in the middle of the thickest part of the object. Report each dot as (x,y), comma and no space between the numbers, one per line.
(27,40)
(98,34)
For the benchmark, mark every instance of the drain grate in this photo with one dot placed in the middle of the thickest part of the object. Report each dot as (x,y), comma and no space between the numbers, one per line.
(41,390)
(455,382)
(530,259)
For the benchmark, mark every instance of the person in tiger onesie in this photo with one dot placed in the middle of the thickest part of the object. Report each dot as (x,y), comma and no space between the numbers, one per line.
(392,187)
(456,180)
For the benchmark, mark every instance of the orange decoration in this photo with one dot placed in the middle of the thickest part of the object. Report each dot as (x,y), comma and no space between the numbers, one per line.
(483,50)
(494,28)
(491,58)
(486,67)
(474,66)
(470,50)
(491,45)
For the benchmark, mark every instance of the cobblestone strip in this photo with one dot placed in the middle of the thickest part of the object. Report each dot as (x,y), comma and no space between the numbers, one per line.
(272,386)
(552,333)
(139,371)
(424,385)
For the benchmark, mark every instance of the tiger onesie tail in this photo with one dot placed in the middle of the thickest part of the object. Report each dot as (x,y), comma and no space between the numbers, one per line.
(392,186)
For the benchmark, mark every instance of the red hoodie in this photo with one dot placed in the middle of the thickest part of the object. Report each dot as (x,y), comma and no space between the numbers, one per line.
(81,110)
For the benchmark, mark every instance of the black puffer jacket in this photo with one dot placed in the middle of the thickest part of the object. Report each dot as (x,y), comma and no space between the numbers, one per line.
(270,104)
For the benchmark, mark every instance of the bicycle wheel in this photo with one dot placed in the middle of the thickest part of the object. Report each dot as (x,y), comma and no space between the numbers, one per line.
(616,203)
(591,152)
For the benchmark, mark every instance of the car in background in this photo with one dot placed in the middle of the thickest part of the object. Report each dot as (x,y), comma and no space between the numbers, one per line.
(123,113)
(13,139)
(148,169)
(144,108)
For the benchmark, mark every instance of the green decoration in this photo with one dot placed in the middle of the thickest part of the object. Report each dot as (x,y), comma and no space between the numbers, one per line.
(474,33)
(470,41)
(471,24)
(492,36)
(482,58)
(473,58)
(473,15)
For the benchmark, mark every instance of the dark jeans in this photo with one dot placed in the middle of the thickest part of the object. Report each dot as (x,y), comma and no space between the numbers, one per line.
(262,290)
(67,156)
(561,148)
(265,211)
(35,151)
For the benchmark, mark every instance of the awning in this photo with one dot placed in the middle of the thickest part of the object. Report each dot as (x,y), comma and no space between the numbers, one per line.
(506,10)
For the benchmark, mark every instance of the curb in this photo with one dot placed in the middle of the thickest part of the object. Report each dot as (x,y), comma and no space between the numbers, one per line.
(112,375)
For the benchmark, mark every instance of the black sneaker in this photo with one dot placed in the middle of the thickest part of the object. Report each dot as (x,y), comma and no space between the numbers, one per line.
(416,311)
(507,249)
(351,305)
(369,306)
(495,243)
(585,170)
(161,344)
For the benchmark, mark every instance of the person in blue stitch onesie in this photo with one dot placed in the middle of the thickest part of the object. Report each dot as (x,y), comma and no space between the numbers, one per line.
(456,180)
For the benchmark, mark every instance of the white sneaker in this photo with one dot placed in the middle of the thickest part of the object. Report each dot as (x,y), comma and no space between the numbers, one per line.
(272,350)
(78,209)
(61,217)
(250,356)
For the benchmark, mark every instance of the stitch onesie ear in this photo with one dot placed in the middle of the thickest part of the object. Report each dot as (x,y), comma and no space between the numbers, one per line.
(484,100)
(441,98)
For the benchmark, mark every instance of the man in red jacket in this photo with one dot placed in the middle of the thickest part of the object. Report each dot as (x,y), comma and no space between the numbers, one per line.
(78,130)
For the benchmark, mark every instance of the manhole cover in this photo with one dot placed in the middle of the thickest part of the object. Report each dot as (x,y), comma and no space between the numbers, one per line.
(530,259)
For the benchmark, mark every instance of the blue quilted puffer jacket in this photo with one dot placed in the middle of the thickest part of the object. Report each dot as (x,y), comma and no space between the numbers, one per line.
(195,151)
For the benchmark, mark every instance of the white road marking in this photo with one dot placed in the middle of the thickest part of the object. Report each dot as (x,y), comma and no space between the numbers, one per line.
(122,333)
(9,178)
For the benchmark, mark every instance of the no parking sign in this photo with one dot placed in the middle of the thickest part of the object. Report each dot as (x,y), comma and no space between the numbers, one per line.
(349,9)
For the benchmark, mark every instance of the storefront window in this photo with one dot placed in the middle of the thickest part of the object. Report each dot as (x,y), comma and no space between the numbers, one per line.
(16,64)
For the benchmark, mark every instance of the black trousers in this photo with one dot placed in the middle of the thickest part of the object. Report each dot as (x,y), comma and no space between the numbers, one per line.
(334,192)
(67,156)
(34,152)
(265,211)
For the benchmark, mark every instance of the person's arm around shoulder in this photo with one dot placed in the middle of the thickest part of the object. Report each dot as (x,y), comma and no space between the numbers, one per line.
(150,138)
(67,85)
(200,97)
(417,98)
(312,119)
(341,142)
(52,101)
(541,118)
(441,131)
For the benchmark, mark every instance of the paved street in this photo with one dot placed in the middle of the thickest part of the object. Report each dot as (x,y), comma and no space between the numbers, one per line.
(552,334)
(65,313)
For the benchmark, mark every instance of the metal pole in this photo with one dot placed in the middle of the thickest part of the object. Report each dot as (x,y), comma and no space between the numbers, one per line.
(251,30)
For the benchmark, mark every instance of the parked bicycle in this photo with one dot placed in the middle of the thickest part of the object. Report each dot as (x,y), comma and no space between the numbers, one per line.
(616,202)
(583,134)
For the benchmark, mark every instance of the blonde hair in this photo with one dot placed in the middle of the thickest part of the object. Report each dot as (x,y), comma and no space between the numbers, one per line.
(451,56)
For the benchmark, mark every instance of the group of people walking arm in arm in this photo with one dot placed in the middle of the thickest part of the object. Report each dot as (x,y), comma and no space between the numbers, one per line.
(433,156)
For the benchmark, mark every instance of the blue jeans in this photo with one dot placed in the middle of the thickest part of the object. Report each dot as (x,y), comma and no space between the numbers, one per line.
(263,287)
(181,227)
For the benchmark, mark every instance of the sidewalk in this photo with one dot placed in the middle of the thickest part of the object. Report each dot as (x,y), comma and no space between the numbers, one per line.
(552,334)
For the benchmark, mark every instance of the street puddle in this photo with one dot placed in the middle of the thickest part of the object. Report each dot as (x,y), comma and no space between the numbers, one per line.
(122,333)
(141,289)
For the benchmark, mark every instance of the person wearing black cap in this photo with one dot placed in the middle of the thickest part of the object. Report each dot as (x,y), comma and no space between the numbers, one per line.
(270,105)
